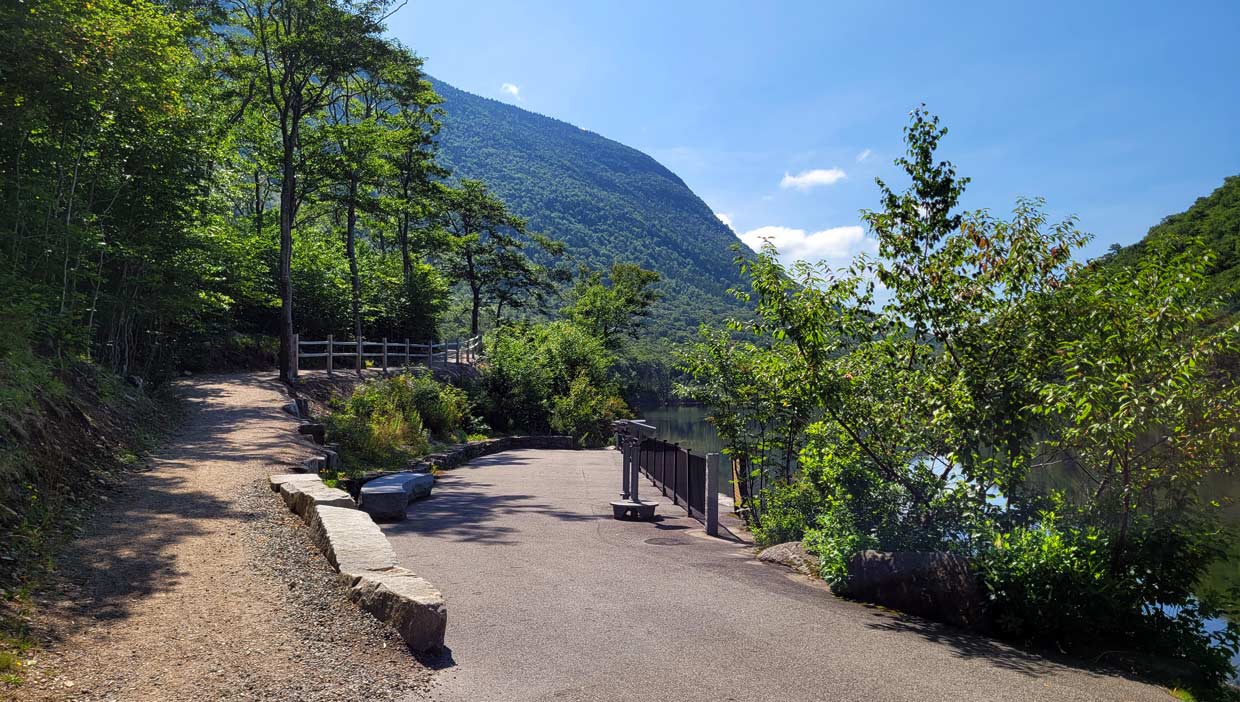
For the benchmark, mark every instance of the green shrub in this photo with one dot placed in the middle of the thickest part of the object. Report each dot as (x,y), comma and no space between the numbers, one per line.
(586,412)
(1056,583)
(529,366)
(387,422)
(791,510)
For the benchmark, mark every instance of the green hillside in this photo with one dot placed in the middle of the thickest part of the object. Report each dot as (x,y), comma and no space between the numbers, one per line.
(607,202)
(1215,220)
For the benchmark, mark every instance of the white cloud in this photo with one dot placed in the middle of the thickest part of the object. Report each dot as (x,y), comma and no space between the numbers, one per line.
(837,245)
(511,89)
(809,179)
(863,155)
(725,218)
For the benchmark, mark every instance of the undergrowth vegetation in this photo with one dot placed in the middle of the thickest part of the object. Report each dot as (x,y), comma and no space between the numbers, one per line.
(388,422)
(68,431)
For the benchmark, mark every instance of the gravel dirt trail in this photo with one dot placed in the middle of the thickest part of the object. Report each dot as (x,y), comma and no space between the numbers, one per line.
(194,583)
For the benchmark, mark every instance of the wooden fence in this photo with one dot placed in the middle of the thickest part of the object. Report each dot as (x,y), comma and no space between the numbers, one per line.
(384,354)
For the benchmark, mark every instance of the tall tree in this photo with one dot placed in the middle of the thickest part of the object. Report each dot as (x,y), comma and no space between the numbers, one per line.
(358,141)
(300,50)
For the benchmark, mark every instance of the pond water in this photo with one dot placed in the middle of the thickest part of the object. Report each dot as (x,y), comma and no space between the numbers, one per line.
(687,426)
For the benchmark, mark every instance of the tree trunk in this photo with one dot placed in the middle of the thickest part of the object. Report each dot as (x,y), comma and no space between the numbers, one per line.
(288,196)
(350,245)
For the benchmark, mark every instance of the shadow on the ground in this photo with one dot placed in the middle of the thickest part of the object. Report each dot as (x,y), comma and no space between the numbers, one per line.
(997,653)
(126,551)
(467,512)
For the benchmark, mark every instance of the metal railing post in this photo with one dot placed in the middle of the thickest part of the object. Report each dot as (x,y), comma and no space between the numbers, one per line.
(385,363)
(712,493)
(626,456)
(635,473)
(404,360)
(361,357)
(331,351)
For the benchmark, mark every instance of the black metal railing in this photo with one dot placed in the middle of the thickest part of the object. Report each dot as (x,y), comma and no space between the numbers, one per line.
(677,472)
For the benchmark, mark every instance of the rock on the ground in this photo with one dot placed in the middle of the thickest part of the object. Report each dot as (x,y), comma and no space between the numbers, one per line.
(938,586)
(791,554)
(275,481)
(386,502)
(387,497)
(350,540)
(317,432)
(303,496)
(409,603)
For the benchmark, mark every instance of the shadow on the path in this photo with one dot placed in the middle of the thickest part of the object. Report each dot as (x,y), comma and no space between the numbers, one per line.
(438,660)
(997,653)
(126,551)
(471,514)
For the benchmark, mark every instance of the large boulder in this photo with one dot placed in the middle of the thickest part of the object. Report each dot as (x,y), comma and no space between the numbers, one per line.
(386,497)
(791,554)
(934,585)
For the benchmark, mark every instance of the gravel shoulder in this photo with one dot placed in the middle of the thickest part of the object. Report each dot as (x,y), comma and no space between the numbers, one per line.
(194,583)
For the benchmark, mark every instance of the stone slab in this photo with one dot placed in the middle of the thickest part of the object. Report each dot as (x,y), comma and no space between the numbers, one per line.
(791,554)
(301,496)
(386,502)
(350,540)
(405,601)
(277,480)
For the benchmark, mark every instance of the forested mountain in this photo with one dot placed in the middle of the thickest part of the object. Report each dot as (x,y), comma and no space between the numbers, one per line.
(1215,221)
(606,201)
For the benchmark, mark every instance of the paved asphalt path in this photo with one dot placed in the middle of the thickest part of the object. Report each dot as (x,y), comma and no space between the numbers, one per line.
(549,598)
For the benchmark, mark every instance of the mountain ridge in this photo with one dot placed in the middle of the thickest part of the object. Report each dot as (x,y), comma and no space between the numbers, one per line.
(605,200)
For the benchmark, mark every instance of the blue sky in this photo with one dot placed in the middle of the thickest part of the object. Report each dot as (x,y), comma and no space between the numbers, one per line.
(780,114)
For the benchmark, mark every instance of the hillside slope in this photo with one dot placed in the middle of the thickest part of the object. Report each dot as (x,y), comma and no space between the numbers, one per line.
(606,201)
(1215,220)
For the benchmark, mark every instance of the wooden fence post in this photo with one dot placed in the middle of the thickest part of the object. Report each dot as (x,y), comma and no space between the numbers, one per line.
(331,350)
(296,354)
(385,355)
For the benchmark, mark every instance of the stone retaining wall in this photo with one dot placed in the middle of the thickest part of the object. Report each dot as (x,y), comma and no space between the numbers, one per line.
(361,554)
(463,453)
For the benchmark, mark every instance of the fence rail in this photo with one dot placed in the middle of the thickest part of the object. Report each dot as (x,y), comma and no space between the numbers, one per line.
(384,354)
(677,472)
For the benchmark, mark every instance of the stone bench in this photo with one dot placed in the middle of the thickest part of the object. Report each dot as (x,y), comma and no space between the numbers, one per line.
(388,496)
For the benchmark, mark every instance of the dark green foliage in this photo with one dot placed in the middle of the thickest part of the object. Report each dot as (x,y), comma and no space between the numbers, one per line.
(993,356)
(1053,583)
(605,201)
(616,308)
(791,509)
(544,377)
(586,414)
